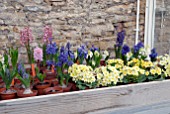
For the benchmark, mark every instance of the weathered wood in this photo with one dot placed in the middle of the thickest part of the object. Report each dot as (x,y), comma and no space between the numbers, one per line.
(90,100)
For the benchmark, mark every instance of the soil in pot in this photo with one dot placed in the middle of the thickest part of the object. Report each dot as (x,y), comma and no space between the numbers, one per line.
(21,94)
(9,94)
(50,75)
(41,86)
(53,90)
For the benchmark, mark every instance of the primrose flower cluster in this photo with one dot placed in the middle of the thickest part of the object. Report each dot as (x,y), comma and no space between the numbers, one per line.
(82,73)
(107,76)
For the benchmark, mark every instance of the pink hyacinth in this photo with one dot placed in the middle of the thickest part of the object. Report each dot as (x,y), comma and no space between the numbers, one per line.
(47,34)
(26,36)
(38,54)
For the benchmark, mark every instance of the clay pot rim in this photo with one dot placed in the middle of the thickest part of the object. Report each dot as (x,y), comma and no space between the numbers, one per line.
(43,86)
(21,92)
(47,90)
(14,92)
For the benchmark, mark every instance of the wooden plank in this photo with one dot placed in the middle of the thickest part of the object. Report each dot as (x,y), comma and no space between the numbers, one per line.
(156,108)
(90,100)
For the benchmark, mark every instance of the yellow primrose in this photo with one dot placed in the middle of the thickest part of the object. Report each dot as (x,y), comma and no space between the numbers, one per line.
(153,71)
(147,73)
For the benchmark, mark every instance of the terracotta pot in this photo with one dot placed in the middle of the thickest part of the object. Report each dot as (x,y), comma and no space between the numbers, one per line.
(66,89)
(6,96)
(35,82)
(42,86)
(53,90)
(2,89)
(21,95)
(50,75)
(74,87)
(55,82)
(19,87)
(102,63)
(2,84)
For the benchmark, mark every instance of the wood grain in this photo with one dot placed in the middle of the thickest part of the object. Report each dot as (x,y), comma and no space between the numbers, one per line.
(90,100)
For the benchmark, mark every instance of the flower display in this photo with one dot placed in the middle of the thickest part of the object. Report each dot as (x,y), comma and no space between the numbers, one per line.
(26,36)
(51,48)
(132,74)
(83,76)
(125,50)
(81,54)
(134,62)
(38,54)
(47,34)
(93,48)
(138,46)
(153,54)
(107,76)
(114,62)
(120,38)
(93,57)
(105,55)
(24,78)
(25,39)
(146,64)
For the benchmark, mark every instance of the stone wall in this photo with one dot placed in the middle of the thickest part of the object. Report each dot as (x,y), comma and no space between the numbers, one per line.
(162,41)
(76,21)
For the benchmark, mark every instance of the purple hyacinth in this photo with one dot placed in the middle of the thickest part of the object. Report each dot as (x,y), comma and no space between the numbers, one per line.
(68,45)
(153,54)
(138,46)
(82,51)
(52,49)
(21,69)
(68,49)
(25,76)
(22,72)
(49,62)
(63,57)
(125,50)
(120,38)
(70,63)
(93,48)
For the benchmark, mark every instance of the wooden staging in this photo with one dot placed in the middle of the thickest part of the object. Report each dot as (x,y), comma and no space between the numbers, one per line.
(90,100)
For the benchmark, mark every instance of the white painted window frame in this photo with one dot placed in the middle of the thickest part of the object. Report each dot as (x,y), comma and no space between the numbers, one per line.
(150,23)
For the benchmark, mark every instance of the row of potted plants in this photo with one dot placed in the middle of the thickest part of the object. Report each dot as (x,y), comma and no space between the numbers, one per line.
(53,69)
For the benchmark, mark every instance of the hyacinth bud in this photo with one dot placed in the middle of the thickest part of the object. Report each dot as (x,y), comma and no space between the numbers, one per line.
(26,36)
(38,54)
(47,34)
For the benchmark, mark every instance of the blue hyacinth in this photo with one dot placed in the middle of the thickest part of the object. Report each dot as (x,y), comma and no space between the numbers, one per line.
(138,46)
(82,51)
(51,49)
(120,38)
(22,72)
(50,62)
(93,48)
(68,49)
(125,50)
(153,54)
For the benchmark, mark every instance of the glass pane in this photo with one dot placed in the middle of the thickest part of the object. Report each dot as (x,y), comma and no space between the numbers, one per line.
(162,27)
